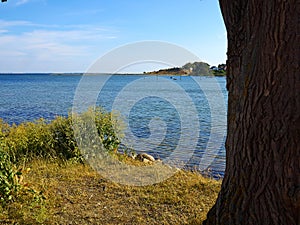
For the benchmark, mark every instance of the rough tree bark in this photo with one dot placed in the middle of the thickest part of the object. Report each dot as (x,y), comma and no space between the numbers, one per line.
(262,177)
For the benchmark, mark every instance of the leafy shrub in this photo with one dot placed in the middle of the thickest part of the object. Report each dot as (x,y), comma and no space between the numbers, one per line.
(9,179)
(17,198)
(63,141)
(55,140)
(29,140)
(107,128)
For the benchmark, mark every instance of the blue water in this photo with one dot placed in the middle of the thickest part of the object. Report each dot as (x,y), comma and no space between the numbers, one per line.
(27,97)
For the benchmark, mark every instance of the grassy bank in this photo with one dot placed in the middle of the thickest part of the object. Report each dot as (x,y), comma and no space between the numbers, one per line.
(72,193)
(45,180)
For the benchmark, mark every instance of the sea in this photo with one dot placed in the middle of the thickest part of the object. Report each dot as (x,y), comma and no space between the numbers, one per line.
(178,119)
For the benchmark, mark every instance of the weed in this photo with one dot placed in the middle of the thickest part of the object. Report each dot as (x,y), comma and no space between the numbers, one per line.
(55,140)
(9,179)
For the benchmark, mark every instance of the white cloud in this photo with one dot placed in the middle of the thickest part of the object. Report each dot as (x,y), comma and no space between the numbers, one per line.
(22,2)
(7,24)
(48,47)
(84,12)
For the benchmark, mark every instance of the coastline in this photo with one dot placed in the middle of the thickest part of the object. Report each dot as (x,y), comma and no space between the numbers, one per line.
(113,74)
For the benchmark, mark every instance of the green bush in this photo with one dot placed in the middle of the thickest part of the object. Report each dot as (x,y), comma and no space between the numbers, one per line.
(16,197)
(29,140)
(108,130)
(55,140)
(63,141)
(9,179)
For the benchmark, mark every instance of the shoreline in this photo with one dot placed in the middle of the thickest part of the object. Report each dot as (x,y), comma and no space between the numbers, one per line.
(112,74)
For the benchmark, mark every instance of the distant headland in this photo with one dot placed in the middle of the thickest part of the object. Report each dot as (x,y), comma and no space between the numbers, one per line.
(189,69)
(193,69)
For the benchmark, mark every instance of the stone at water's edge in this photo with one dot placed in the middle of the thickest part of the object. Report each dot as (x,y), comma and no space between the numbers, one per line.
(143,157)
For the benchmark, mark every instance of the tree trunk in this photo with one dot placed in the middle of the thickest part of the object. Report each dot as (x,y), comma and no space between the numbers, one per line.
(262,177)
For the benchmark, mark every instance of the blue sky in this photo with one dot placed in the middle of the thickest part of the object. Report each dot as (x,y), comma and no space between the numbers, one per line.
(68,36)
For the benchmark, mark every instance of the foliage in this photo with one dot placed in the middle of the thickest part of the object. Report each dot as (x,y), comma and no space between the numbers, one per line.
(52,141)
(18,199)
(170,71)
(29,207)
(9,179)
(222,66)
(89,198)
(34,143)
(219,72)
(55,140)
(109,129)
(63,141)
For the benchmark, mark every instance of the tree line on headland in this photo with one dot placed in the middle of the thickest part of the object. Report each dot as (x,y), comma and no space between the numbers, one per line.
(193,69)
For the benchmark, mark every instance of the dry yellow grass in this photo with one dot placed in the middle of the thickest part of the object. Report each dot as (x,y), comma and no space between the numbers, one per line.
(75,194)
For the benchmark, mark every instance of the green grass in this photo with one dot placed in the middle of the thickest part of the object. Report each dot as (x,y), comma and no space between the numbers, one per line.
(75,194)
(45,180)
